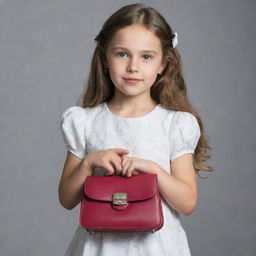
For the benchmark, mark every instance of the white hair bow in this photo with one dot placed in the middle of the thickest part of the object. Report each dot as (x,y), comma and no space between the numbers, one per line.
(175,40)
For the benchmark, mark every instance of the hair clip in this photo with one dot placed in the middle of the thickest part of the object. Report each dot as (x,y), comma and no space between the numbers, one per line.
(174,39)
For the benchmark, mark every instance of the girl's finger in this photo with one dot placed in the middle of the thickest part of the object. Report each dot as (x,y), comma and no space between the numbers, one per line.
(121,151)
(125,166)
(124,161)
(116,161)
(129,171)
(109,169)
(123,157)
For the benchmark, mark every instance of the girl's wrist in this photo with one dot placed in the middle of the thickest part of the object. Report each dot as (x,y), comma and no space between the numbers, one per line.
(157,169)
(87,166)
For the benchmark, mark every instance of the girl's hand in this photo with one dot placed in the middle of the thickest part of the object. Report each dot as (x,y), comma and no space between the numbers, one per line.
(109,159)
(131,164)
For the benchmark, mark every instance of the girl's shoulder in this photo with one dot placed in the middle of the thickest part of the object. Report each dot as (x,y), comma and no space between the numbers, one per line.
(177,117)
(72,111)
(183,117)
(79,112)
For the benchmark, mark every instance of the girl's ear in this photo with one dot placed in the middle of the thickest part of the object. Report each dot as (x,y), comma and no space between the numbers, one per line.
(162,67)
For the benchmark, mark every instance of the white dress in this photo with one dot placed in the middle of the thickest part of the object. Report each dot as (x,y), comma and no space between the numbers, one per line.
(161,135)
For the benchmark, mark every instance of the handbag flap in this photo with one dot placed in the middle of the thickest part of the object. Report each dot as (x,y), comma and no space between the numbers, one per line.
(138,187)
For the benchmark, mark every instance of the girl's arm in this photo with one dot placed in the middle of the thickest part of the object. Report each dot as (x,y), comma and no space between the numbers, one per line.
(179,189)
(72,181)
(76,170)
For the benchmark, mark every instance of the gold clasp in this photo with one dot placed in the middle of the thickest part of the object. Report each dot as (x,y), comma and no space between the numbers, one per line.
(119,198)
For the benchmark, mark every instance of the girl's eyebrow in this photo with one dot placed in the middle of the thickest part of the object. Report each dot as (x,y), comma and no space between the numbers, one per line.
(123,48)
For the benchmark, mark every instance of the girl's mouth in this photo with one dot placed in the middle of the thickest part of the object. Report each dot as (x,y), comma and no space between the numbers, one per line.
(132,80)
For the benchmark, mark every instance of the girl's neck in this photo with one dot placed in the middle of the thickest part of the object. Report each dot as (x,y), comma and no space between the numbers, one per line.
(131,107)
(131,104)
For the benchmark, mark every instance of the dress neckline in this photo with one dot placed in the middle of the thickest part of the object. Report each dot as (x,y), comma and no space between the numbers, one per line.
(131,118)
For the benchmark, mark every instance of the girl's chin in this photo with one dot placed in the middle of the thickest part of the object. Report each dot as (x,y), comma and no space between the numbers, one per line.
(131,93)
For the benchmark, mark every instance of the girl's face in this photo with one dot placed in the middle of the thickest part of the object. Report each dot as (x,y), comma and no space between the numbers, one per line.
(134,53)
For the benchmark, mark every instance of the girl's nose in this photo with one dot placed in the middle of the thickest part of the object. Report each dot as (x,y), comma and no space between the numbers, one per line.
(133,65)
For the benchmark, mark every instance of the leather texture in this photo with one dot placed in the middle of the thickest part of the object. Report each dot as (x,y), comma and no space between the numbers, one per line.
(142,212)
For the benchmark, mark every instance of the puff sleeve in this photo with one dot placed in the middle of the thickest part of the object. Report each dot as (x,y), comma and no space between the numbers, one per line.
(73,130)
(184,134)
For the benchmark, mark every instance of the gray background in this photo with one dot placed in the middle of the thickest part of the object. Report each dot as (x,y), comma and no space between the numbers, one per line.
(45,49)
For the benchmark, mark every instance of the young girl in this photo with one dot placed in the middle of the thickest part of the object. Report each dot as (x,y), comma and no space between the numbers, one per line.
(135,118)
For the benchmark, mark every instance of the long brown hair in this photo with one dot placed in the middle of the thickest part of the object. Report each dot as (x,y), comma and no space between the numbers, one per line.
(169,89)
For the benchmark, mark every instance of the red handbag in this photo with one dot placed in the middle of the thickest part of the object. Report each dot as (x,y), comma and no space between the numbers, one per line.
(121,204)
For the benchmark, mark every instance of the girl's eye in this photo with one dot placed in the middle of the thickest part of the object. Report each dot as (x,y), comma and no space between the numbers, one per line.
(120,54)
(147,57)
